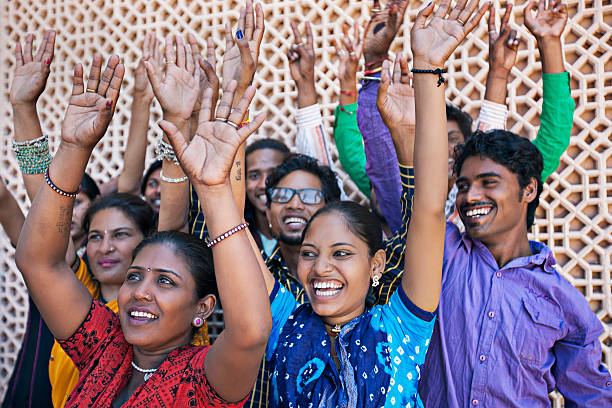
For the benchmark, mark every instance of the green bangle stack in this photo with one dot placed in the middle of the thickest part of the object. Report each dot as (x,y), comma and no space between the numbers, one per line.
(33,155)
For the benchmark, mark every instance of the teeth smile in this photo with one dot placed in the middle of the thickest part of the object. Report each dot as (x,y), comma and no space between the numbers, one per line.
(477,212)
(327,285)
(295,220)
(140,314)
(326,292)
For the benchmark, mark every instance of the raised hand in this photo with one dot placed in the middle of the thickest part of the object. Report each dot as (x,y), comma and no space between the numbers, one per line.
(177,90)
(207,159)
(242,54)
(549,21)
(434,42)
(207,67)
(301,56)
(31,72)
(150,52)
(381,30)
(348,58)
(503,46)
(395,100)
(90,112)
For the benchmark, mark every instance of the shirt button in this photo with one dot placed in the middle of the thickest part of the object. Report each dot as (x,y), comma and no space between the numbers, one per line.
(482,357)
(474,402)
(608,383)
(491,315)
(498,274)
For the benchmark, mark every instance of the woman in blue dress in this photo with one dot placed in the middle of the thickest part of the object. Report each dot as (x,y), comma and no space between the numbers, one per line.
(334,351)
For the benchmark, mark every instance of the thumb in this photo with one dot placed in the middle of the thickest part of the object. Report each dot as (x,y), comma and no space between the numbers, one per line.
(153,76)
(383,88)
(175,136)
(419,21)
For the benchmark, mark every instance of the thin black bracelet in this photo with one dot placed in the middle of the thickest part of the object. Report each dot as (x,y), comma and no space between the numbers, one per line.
(436,71)
(59,190)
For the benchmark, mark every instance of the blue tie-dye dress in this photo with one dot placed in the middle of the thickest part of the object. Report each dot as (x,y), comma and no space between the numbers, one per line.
(381,353)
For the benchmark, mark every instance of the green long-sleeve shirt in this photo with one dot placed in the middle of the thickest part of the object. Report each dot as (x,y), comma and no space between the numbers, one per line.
(350,146)
(556,121)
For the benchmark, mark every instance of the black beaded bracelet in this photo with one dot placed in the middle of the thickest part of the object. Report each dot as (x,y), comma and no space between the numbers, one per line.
(436,71)
(59,190)
(226,234)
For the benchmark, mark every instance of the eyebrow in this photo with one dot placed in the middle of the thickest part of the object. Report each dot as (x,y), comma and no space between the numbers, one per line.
(333,245)
(480,176)
(161,270)
(114,230)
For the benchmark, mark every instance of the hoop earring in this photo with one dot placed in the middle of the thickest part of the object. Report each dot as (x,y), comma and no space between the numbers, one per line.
(375,281)
(198,322)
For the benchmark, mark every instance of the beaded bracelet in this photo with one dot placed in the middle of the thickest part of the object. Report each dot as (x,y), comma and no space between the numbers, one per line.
(166,151)
(226,234)
(436,71)
(59,190)
(172,180)
(33,155)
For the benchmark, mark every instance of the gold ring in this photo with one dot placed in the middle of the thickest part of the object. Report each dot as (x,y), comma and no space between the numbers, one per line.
(91,90)
(461,21)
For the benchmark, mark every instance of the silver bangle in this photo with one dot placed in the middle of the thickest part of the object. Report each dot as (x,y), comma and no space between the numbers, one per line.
(370,78)
(172,180)
(166,152)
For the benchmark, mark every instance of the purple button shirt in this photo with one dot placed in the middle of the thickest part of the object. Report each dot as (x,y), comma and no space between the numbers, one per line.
(506,337)
(381,159)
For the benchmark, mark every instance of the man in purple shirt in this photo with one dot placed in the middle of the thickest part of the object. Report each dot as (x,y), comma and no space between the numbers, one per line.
(510,328)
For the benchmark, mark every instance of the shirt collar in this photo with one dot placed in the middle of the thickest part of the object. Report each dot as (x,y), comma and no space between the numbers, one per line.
(541,255)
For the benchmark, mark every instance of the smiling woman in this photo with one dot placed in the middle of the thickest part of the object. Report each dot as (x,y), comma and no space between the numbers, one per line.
(141,356)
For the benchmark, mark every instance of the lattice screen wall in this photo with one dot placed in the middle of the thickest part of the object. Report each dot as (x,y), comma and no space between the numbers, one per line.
(574,217)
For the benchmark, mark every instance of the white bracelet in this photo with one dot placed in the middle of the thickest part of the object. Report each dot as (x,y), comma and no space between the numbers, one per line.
(172,180)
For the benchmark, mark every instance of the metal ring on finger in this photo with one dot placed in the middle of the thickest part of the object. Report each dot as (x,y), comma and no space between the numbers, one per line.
(460,21)
(375,10)
(236,126)
(91,90)
(492,32)
(352,53)
(341,53)
(298,45)
(224,120)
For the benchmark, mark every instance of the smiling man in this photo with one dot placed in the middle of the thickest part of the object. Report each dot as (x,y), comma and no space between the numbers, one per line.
(510,328)
(295,191)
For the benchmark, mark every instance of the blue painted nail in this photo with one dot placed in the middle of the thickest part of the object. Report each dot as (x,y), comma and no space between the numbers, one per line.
(239,35)
(429,4)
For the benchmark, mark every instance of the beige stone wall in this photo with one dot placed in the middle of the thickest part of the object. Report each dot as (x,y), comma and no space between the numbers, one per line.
(574,218)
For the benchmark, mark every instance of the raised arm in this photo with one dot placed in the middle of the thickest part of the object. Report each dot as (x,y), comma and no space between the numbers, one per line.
(556,120)
(11,217)
(176,91)
(29,81)
(233,361)
(346,130)
(432,43)
(142,97)
(503,47)
(381,159)
(43,242)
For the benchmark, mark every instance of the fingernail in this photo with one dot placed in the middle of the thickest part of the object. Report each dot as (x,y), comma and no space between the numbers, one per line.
(48,61)
(428,4)
(239,35)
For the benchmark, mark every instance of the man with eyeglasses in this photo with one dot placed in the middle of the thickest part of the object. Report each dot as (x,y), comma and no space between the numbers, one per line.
(295,190)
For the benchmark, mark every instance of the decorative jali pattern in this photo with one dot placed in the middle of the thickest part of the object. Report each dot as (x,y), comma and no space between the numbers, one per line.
(574,218)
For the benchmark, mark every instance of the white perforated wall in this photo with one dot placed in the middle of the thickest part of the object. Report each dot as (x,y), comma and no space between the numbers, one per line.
(575,215)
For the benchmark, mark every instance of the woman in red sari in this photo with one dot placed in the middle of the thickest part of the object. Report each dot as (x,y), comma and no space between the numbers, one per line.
(141,356)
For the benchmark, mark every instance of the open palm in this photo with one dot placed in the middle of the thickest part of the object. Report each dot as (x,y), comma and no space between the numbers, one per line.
(435,42)
(31,72)
(395,100)
(177,90)
(207,159)
(89,113)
